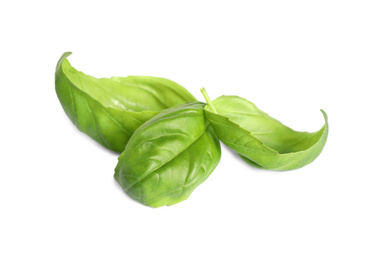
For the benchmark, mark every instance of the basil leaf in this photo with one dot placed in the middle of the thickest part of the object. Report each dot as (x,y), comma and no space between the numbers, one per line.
(109,110)
(259,139)
(169,156)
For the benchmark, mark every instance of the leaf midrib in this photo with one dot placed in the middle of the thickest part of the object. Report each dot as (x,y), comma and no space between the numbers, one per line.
(148,175)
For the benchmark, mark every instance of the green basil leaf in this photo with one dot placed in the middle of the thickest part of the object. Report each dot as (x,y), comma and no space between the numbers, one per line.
(169,156)
(109,110)
(259,139)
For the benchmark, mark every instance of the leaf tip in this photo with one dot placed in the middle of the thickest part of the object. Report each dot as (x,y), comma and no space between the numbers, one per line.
(65,55)
(62,58)
(324,114)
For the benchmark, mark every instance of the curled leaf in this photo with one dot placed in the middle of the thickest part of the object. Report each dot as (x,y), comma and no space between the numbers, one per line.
(109,110)
(169,156)
(259,139)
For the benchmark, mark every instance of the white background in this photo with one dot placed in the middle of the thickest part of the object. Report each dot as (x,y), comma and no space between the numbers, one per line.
(58,198)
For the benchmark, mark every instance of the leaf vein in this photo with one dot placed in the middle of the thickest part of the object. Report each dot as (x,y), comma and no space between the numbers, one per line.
(157,168)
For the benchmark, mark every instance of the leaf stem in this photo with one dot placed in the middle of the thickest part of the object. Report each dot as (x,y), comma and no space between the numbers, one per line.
(209,102)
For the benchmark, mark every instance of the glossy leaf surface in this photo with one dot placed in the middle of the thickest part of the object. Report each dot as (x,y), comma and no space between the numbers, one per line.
(259,139)
(109,110)
(169,156)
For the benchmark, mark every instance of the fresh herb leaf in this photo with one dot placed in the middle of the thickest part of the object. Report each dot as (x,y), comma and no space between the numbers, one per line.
(259,139)
(109,110)
(169,156)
